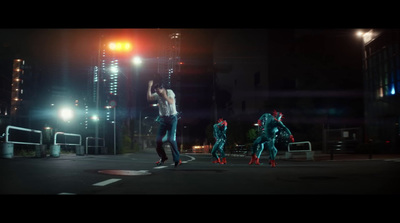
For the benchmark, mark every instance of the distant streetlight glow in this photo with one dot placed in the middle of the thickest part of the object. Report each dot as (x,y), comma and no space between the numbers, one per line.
(66,114)
(137,60)
(367,36)
(95,118)
(120,46)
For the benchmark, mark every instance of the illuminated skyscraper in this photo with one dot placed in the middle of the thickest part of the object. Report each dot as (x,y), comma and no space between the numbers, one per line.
(17,86)
(170,60)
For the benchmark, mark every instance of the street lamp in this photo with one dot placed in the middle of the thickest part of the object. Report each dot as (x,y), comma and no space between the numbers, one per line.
(66,114)
(137,60)
(95,118)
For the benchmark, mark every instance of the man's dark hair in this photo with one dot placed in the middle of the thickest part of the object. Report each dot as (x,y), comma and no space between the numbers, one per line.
(158,85)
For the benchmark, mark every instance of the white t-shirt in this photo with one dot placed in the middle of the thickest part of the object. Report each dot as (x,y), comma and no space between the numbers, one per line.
(164,108)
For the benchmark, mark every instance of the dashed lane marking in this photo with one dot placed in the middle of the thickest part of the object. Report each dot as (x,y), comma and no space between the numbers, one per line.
(126,172)
(160,167)
(106,182)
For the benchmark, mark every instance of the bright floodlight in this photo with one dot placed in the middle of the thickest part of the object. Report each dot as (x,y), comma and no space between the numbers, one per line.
(95,118)
(66,114)
(127,46)
(112,46)
(137,60)
(120,46)
(360,34)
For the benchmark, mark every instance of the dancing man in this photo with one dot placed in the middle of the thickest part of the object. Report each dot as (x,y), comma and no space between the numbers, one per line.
(168,121)
(220,139)
(268,128)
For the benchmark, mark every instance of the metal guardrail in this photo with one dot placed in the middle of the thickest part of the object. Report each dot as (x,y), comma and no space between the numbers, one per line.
(309,153)
(67,134)
(296,143)
(87,143)
(26,130)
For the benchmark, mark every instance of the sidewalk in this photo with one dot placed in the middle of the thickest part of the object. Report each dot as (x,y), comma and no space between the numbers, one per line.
(319,156)
(344,157)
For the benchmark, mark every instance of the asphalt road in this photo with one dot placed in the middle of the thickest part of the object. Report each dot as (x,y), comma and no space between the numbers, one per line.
(138,174)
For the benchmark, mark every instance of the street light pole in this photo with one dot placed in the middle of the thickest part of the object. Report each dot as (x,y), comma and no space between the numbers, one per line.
(96,126)
(115,129)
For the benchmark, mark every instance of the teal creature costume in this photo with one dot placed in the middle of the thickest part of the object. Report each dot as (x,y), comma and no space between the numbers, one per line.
(220,137)
(268,127)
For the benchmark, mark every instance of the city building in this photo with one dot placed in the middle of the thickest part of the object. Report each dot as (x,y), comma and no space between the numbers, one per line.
(170,59)
(111,100)
(241,73)
(5,92)
(17,86)
(23,92)
(381,64)
(114,82)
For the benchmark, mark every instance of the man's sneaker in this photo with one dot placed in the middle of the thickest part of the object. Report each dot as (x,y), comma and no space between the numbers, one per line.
(161,162)
(178,163)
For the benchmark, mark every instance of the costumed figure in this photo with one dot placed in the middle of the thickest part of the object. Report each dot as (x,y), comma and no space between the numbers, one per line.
(220,137)
(268,127)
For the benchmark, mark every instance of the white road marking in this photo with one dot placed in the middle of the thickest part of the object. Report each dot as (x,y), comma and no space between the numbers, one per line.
(172,164)
(191,158)
(106,182)
(160,167)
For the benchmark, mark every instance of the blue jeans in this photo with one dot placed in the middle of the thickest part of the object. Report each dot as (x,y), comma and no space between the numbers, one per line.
(167,127)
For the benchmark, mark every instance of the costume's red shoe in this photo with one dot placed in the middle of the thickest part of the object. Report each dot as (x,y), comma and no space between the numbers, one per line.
(273,164)
(257,161)
(217,161)
(253,159)
(223,161)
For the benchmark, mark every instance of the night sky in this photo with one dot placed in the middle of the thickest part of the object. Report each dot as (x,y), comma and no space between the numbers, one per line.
(329,50)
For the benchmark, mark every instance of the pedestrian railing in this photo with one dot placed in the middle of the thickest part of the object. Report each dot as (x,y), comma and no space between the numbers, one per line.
(7,148)
(304,146)
(299,144)
(87,143)
(22,129)
(65,142)
(55,148)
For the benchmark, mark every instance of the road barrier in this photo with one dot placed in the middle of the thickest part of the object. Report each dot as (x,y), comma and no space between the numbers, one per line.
(293,148)
(56,147)
(102,148)
(7,148)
